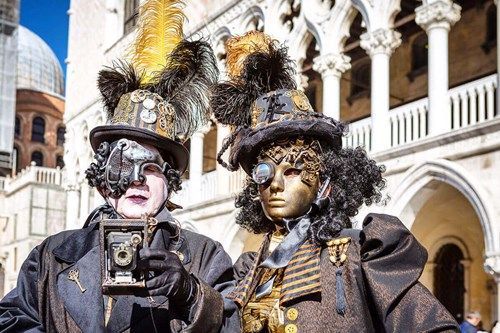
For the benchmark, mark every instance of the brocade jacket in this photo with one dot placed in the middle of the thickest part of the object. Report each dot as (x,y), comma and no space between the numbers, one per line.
(374,289)
(46,300)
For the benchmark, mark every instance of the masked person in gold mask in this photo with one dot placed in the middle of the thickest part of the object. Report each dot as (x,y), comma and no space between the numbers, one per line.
(313,272)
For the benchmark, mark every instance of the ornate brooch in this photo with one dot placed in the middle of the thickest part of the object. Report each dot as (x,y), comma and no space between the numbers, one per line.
(337,248)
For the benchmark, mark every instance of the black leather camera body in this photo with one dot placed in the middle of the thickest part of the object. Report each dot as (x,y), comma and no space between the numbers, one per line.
(120,242)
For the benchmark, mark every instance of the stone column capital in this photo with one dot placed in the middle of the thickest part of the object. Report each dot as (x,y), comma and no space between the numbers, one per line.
(492,266)
(438,14)
(383,41)
(331,64)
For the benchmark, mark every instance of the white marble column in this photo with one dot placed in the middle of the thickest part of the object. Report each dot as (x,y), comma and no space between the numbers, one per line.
(436,18)
(72,207)
(196,165)
(492,267)
(331,66)
(380,44)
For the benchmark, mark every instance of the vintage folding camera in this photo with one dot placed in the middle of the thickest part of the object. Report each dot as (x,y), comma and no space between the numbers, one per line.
(121,240)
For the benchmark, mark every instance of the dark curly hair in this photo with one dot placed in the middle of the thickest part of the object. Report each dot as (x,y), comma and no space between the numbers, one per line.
(95,173)
(355,179)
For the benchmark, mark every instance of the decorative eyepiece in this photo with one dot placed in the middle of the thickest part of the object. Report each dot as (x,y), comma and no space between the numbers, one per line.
(262,173)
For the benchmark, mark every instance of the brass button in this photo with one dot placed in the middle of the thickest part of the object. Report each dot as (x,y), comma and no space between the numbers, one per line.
(292,314)
(291,328)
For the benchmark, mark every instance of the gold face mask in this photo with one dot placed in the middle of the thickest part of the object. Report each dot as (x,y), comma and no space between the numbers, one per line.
(288,178)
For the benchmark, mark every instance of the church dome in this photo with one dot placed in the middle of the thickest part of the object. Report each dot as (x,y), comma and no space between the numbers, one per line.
(37,66)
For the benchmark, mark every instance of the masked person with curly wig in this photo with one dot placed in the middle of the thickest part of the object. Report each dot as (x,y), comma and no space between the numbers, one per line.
(90,281)
(313,273)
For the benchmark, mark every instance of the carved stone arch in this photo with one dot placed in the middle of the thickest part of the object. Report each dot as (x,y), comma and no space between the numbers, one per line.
(461,275)
(247,19)
(364,7)
(378,14)
(451,173)
(287,19)
(299,45)
(330,27)
(218,41)
(315,32)
(434,249)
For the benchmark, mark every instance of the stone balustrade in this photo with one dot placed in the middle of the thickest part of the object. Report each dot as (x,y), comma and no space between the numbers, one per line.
(208,186)
(360,134)
(473,102)
(236,181)
(409,122)
(32,174)
(469,104)
(210,189)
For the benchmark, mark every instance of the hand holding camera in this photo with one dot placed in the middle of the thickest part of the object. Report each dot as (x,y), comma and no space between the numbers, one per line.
(130,266)
(170,278)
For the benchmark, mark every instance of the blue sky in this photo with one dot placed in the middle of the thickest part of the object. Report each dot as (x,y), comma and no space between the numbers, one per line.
(48,19)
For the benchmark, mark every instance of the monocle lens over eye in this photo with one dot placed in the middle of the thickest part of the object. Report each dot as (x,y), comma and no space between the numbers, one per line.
(262,173)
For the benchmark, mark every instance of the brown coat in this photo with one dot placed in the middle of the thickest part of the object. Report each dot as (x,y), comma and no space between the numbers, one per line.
(380,280)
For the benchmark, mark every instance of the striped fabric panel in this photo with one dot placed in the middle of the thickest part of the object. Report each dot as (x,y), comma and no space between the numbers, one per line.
(302,275)
(243,290)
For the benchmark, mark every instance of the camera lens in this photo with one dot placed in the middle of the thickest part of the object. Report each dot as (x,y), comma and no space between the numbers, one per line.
(123,255)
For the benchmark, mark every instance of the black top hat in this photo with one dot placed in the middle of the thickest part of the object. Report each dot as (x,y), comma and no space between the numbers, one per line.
(162,97)
(145,117)
(261,102)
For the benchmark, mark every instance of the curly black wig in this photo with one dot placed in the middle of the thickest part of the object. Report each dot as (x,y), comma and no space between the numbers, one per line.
(355,179)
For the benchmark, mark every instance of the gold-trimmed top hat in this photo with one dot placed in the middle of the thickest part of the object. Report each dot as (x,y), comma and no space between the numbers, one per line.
(162,96)
(144,116)
(261,103)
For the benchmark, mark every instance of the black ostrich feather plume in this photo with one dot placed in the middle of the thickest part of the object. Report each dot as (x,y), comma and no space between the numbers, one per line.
(263,71)
(115,81)
(189,75)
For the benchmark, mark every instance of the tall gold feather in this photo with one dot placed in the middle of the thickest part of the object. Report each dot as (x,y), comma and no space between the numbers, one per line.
(159,31)
(239,47)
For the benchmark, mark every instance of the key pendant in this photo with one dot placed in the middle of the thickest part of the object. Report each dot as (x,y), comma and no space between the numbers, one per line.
(73,276)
